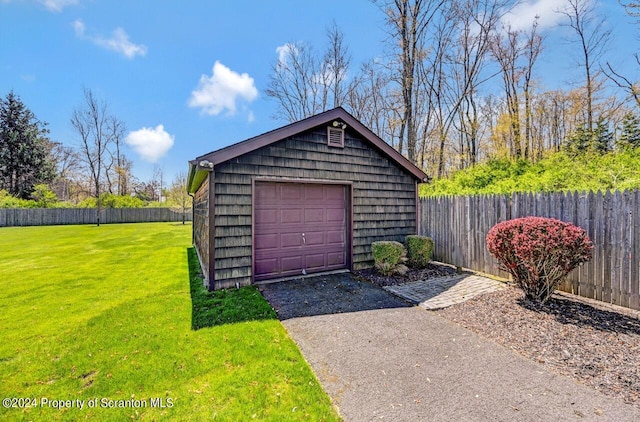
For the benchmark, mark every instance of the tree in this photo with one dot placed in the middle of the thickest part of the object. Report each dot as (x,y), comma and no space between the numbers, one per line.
(336,64)
(408,21)
(631,7)
(25,159)
(304,84)
(67,162)
(44,196)
(593,39)
(178,196)
(292,83)
(94,126)
(630,136)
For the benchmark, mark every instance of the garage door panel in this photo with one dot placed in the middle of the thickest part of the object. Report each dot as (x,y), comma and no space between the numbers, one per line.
(267,193)
(291,263)
(283,212)
(314,215)
(315,261)
(266,241)
(268,266)
(336,259)
(290,239)
(335,215)
(314,238)
(314,193)
(291,191)
(291,216)
(334,194)
(335,237)
(266,216)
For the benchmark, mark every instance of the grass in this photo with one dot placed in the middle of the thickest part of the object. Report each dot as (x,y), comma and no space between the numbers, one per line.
(105,313)
(223,306)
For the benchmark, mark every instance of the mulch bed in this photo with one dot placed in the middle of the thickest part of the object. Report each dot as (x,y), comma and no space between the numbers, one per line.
(594,345)
(430,271)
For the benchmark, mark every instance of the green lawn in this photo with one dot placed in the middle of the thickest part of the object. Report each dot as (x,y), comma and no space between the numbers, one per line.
(103,316)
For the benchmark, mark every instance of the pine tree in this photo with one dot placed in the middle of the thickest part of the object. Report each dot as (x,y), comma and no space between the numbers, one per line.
(630,136)
(24,149)
(601,138)
(578,141)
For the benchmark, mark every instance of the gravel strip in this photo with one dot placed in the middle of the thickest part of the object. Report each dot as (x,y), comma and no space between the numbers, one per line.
(596,347)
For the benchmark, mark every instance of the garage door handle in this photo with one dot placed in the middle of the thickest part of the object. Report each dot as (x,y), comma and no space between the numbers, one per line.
(304,241)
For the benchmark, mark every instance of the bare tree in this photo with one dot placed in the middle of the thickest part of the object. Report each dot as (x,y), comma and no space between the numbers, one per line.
(178,196)
(304,84)
(532,50)
(118,160)
(336,64)
(631,88)
(408,21)
(506,50)
(68,166)
(369,100)
(631,7)
(292,83)
(93,124)
(592,37)
(516,52)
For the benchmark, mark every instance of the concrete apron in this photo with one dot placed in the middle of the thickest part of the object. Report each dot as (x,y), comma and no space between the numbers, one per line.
(407,364)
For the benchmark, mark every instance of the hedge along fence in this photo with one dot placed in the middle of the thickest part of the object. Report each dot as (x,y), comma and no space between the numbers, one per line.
(459,226)
(60,216)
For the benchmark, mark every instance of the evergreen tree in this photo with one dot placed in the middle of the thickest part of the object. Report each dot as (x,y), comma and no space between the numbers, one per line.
(630,136)
(578,141)
(583,140)
(24,149)
(601,138)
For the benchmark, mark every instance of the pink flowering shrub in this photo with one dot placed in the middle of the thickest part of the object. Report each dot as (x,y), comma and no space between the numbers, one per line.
(539,252)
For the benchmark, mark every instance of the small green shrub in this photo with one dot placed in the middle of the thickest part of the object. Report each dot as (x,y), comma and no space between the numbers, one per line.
(387,255)
(419,250)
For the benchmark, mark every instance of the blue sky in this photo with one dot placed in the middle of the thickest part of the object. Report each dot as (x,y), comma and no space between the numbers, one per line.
(147,58)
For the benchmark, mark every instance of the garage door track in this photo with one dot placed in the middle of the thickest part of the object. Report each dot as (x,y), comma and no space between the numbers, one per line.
(379,358)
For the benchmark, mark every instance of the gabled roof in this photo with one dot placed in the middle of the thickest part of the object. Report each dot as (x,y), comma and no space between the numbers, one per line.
(197,172)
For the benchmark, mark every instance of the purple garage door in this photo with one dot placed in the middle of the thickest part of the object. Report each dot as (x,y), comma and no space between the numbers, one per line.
(298,229)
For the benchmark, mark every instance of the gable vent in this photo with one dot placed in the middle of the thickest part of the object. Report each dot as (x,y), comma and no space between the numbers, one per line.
(335,136)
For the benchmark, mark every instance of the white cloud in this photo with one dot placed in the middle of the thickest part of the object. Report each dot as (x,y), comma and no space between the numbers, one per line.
(150,143)
(284,52)
(119,41)
(79,27)
(57,5)
(524,14)
(222,90)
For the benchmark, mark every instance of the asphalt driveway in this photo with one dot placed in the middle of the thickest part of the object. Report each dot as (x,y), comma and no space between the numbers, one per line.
(380,359)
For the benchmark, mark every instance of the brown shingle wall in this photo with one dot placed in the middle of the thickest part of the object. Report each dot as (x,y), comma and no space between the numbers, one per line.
(201,225)
(383,196)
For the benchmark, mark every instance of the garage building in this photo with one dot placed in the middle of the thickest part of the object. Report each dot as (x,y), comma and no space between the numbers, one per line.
(306,198)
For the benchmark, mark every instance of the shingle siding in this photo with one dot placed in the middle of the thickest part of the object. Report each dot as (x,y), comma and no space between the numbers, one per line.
(384,197)
(201,226)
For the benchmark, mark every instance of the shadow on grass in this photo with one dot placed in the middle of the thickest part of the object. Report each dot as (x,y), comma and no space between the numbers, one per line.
(228,306)
(580,314)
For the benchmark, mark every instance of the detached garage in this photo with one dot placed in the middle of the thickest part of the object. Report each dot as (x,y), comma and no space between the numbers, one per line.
(309,197)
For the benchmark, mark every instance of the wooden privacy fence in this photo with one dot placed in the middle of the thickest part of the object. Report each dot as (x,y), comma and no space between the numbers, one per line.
(58,216)
(459,226)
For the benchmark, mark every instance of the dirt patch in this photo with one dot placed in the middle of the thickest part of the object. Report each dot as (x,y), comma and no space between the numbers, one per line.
(596,347)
